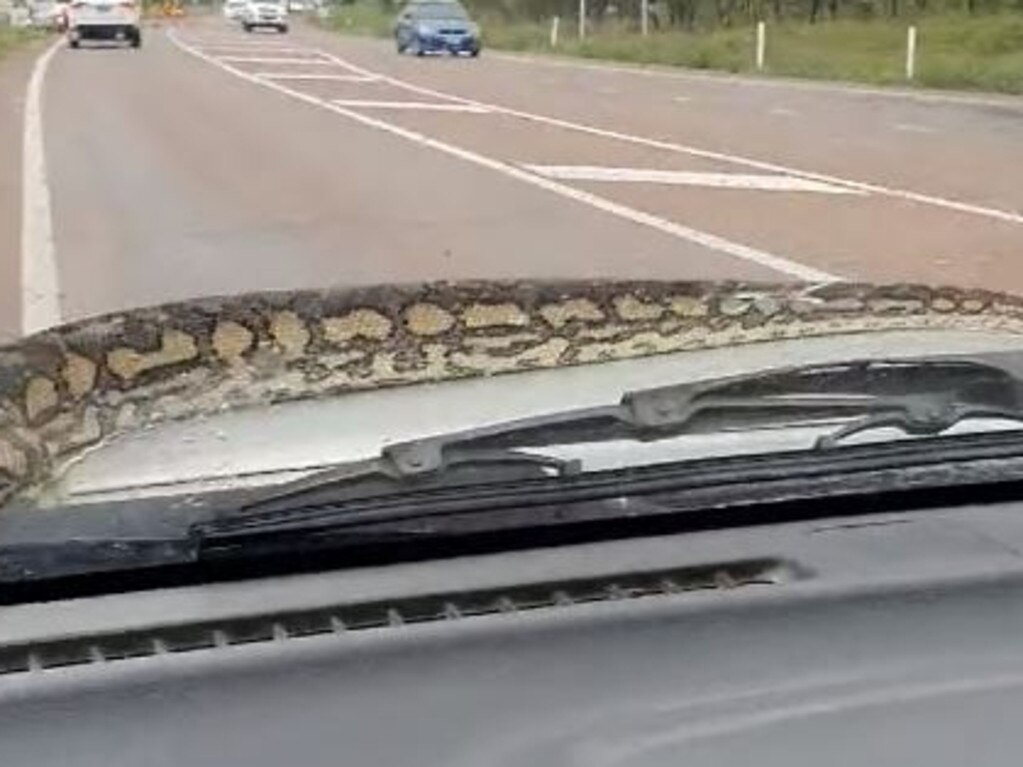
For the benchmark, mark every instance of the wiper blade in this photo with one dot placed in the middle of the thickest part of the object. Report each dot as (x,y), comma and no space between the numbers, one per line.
(923,419)
(921,396)
(389,473)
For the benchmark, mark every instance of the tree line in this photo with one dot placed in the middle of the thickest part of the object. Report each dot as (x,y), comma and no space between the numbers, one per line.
(691,14)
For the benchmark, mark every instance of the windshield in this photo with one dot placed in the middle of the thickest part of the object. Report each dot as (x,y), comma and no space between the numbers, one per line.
(442,11)
(238,247)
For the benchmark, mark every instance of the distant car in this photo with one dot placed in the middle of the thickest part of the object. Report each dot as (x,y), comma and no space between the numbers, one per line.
(104,20)
(271,14)
(436,27)
(233,9)
(296,6)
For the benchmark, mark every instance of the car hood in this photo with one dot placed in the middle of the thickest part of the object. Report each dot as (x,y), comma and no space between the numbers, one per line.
(263,387)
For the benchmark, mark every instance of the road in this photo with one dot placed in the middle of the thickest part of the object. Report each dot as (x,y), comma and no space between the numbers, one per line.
(212,162)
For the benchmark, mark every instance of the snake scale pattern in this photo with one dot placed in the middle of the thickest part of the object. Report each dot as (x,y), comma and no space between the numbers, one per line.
(70,389)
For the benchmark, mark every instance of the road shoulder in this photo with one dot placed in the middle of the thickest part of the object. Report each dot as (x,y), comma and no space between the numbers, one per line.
(15,69)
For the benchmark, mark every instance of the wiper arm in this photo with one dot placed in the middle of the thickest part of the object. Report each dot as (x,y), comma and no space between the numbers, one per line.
(390,473)
(921,396)
(463,482)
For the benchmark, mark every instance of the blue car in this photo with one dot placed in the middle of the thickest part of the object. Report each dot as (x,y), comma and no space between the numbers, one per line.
(436,27)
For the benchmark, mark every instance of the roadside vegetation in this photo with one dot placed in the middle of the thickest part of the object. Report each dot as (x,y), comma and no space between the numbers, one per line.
(12,37)
(968,45)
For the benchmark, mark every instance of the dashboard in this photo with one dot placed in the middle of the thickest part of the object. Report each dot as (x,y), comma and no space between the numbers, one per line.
(878,640)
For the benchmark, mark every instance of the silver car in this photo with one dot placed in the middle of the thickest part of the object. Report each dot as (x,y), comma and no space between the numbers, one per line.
(265,14)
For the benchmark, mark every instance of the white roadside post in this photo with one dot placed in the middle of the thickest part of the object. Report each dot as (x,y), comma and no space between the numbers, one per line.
(582,19)
(761,45)
(554,31)
(911,53)
(644,10)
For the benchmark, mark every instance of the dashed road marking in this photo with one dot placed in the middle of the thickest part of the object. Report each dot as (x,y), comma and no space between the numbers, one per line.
(249,48)
(315,76)
(755,182)
(682,99)
(424,105)
(705,239)
(40,284)
(913,128)
(1008,216)
(243,45)
(318,62)
(783,112)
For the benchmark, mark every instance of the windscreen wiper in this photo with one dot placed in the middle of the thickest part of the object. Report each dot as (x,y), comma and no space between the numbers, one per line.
(478,483)
(925,396)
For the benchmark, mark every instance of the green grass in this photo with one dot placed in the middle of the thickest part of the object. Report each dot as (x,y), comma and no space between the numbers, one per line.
(11,38)
(955,51)
(983,53)
(361,19)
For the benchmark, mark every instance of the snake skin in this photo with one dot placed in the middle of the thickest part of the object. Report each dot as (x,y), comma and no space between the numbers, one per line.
(67,390)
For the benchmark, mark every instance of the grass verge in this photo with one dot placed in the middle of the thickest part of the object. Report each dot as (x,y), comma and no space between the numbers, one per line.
(13,37)
(954,51)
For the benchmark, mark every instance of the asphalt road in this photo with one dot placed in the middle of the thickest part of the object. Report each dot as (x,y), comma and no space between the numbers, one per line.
(213,161)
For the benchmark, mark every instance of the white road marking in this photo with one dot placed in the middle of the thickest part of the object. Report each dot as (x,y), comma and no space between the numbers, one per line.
(724,78)
(682,99)
(758,182)
(233,42)
(40,286)
(912,128)
(249,48)
(1009,216)
(275,60)
(783,112)
(424,105)
(315,76)
(704,239)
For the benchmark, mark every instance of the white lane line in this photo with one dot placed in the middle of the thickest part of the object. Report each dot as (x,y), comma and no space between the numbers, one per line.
(276,60)
(240,41)
(723,78)
(912,128)
(315,76)
(249,48)
(705,239)
(682,99)
(40,286)
(253,49)
(1009,216)
(757,182)
(424,105)
(783,112)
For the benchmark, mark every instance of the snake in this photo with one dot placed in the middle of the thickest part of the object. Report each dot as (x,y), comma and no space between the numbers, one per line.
(67,390)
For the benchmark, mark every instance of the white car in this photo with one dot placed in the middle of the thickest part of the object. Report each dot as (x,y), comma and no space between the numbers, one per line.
(233,9)
(296,6)
(104,20)
(272,14)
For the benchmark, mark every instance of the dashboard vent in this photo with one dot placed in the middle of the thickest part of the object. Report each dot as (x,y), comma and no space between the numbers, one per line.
(389,614)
